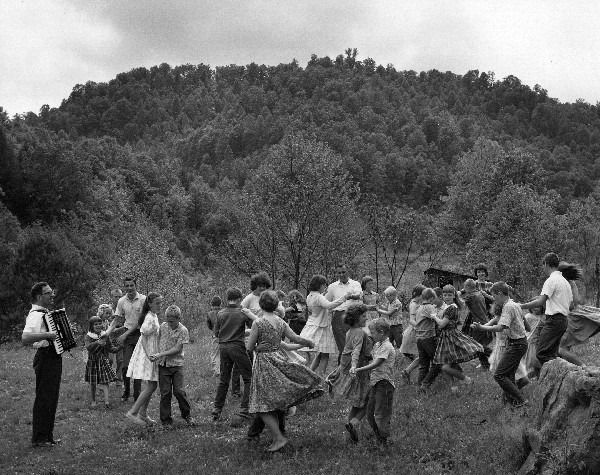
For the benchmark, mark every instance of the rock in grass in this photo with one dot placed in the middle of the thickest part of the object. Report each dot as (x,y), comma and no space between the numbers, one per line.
(564,435)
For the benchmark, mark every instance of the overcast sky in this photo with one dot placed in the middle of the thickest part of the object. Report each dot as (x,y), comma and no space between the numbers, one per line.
(46,47)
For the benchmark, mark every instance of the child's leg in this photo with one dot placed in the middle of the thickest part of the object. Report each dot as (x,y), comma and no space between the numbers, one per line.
(566,354)
(149,389)
(382,413)
(272,422)
(453,372)
(93,393)
(315,363)
(225,370)
(104,388)
(357,414)
(370,412)
(179,392)
(323,362)
(165,383)
(242,362)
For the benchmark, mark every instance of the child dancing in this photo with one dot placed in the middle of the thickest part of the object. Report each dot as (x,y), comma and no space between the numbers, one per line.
(356,353)
(98,370)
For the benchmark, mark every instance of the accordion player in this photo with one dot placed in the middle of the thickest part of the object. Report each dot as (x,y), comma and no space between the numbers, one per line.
(58,322)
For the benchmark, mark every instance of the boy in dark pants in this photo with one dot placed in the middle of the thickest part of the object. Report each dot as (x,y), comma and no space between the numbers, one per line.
(230,329)
(381,394)
(173,335)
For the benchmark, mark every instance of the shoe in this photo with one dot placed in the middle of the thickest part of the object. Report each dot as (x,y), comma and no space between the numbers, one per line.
(189,421)
(55,441)
(45,444)
(291,412)
(352,431)
(525,402)
(216,415)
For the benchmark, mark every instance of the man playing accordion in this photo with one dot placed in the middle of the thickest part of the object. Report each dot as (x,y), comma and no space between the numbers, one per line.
(47,365)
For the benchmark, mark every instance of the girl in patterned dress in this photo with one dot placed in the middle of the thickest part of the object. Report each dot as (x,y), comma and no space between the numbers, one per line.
(454,347)
(318,325)
(277,383)
(356,354)
(140,365)
(98,370)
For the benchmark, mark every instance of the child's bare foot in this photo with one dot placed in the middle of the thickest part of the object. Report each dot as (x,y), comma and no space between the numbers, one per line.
(277,444)
(135,419)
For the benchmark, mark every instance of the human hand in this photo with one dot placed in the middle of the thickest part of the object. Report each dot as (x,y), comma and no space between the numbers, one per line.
(310,344)
(102,342)
(353,372)
(476,326)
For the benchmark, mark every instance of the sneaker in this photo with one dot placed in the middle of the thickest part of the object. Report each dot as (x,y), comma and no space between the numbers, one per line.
(352,431)
(55,441)
(46,444)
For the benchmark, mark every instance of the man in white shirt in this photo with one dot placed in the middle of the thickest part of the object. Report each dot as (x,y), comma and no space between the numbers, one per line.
(557,296)
(130,307)
(47,365)
(343,286)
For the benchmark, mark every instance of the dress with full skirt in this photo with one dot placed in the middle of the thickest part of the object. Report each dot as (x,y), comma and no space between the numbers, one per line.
(98,369)
(140,367)
(453,345)
(277,382)
(409,338)
(341,384)
(583,323)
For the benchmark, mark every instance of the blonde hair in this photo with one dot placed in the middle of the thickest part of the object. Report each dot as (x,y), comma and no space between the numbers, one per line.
(101,308)
(173,310)
(391,290)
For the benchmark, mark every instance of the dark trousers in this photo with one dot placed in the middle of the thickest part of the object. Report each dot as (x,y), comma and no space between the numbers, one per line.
(48,370)
(550,335)
(236,376)
(128,348)
(339,330)
(507,367)
(380,407)
(396,335)
(170,382)
(233,354)
(427,370)
(258,424)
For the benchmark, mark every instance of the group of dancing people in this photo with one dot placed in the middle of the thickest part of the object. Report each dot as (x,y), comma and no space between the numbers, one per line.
(280,346)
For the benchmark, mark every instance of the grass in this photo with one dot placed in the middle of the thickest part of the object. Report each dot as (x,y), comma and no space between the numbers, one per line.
(465,433)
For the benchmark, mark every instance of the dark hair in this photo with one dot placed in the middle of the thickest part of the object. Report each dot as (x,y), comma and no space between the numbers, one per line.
(570,271)
(296,295)
(500,288)
(482,267)
(233,293)
(428,294)
(339,265)
(268,301)
(130,279)
(316,282)
(216,301)
(151,297)
(551,260)
(365,280)
(37,290)
(260,280)
(91,322)
(353,313)
(418,290)
(450,288)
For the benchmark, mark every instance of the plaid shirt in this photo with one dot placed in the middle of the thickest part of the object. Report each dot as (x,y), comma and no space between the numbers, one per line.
(168,339)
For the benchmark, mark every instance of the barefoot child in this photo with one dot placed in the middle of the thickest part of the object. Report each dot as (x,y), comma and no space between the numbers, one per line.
(454,347)
(98,370)
(381,394)
(356,353)
(172,336)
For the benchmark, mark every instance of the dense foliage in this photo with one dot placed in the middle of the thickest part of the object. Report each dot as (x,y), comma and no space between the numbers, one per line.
(221,171)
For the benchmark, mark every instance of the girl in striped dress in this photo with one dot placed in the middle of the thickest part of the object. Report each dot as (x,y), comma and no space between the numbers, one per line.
(98,370)
(454,347)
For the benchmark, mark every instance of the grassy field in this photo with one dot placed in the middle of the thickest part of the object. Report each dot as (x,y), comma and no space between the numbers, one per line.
(468,432)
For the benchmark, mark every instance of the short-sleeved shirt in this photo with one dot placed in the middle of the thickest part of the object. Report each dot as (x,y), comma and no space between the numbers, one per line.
(425,327)
(131,309)
(559,293)
(168,339)
(337,289)
(513,319)
(34,323)
(395,307)
(385,371)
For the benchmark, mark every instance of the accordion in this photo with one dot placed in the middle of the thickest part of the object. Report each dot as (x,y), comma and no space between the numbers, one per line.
(59,323)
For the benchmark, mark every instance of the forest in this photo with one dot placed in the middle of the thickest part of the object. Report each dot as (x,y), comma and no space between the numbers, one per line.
(192,178)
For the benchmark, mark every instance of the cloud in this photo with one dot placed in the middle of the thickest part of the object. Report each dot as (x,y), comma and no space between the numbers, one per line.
(48,47)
